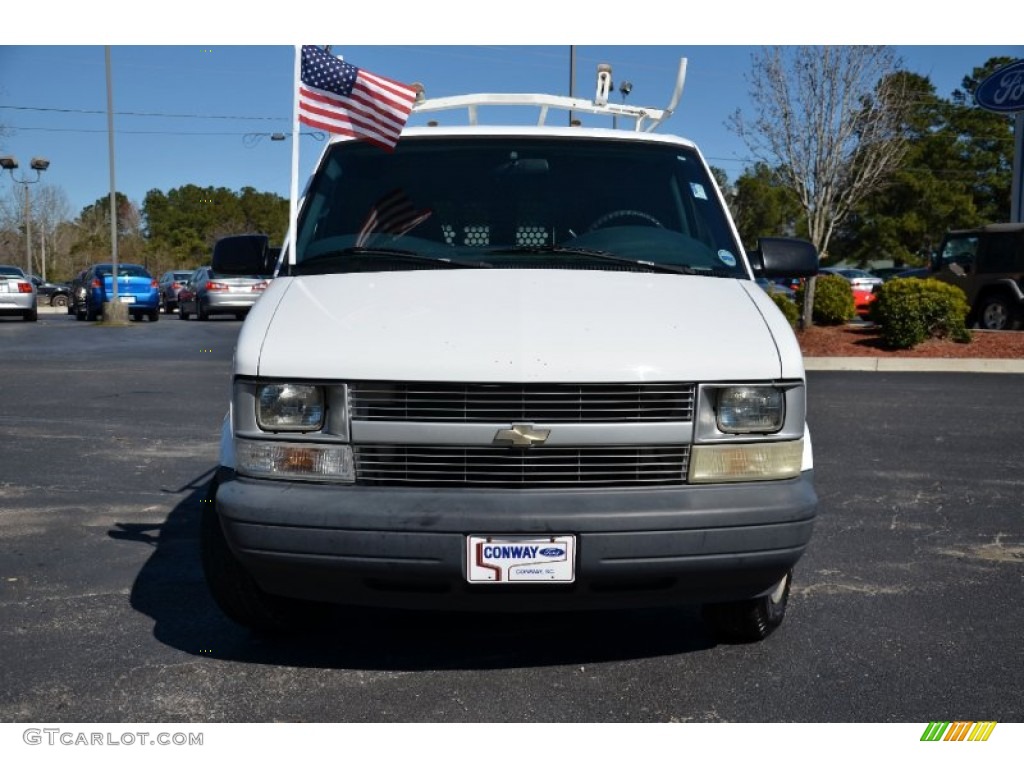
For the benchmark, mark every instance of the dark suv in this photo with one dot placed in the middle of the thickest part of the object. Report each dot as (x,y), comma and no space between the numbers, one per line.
(54,294)
(988,264)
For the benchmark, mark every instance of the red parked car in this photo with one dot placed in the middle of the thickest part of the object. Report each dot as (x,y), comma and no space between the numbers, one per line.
(862,301)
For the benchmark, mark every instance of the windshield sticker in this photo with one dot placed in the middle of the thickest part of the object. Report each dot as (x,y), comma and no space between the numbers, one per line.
(698,191)
(727,258)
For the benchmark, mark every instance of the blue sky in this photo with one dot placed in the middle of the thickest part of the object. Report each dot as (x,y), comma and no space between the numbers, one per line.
(193,113)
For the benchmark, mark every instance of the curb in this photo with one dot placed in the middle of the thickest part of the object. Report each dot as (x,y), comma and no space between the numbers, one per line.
(914,364)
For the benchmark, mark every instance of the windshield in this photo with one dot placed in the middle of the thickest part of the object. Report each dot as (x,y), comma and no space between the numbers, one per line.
(123,270)
(514,202)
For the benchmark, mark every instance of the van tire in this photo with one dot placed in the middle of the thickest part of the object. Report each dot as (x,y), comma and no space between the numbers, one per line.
(236,593)
(997,313)
(749,621)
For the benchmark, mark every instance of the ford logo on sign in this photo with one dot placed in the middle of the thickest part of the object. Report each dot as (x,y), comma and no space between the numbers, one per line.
(552,552)
(1003,90)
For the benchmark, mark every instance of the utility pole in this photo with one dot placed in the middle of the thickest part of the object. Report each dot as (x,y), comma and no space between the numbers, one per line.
(572,78)
(114,312)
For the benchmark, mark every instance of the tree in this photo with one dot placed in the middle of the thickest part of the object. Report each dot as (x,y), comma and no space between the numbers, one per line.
(956,173)
(51,210)
(48,208)
(183,224)
(91,238)
(762,206)
(829,120)
(985,141)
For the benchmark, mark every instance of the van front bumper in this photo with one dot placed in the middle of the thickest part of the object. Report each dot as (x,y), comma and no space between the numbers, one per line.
(406,548)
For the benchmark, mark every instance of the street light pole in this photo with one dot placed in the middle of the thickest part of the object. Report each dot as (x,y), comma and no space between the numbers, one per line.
(28,230)
(39,164)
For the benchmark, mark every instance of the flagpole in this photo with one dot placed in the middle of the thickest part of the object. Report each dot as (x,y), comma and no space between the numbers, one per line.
(293,204)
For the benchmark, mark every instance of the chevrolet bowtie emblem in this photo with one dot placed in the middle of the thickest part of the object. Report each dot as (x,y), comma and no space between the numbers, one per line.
(521,436)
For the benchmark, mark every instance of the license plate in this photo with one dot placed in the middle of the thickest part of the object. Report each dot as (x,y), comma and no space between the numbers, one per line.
(520,559)
(126,299)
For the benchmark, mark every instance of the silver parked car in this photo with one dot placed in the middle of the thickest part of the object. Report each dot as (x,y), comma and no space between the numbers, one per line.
(17,294)
(207,293)
(859,279)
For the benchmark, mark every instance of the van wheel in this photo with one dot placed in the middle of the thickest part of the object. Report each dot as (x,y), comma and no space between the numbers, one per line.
(749,621)
(236,592)
(996,313)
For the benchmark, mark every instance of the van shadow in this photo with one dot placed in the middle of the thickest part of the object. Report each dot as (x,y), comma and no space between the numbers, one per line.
(170,589)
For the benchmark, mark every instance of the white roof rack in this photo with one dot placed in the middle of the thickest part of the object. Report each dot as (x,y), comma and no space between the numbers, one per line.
(645,119)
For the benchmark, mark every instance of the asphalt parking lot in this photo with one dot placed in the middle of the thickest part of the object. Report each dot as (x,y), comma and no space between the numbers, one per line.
(906,608)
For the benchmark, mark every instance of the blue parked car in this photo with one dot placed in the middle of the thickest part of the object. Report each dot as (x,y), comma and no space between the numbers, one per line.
(135,287)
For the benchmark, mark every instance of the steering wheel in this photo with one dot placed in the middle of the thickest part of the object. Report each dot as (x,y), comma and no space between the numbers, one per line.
(624,213)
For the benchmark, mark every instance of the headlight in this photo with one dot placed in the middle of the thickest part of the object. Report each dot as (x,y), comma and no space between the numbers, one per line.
(742,410)
(277,460)
(289,407)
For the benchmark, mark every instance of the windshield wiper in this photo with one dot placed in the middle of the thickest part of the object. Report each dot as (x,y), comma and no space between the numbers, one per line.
(559,250)
(316,264)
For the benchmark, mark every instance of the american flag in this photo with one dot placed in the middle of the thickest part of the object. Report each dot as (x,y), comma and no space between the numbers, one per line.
(394,214)
(339,98)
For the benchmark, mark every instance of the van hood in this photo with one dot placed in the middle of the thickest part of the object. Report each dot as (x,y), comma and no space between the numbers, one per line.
(496,325)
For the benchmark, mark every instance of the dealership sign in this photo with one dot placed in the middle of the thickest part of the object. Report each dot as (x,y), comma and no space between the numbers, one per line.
(1003,90)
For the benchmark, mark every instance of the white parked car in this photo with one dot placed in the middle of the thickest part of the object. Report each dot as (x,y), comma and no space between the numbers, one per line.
(514,368)
(17,294)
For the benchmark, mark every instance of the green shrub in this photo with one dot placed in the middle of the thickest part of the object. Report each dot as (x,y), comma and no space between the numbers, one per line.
(833,300)
(788,307)
(911,310)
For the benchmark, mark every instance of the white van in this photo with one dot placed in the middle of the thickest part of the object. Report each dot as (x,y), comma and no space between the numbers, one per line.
(514,368)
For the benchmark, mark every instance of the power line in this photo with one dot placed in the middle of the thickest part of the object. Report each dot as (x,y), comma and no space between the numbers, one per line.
(68,110)
(315,134)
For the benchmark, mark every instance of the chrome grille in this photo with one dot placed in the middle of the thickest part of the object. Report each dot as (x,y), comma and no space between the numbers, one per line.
(539,467)
(531,403)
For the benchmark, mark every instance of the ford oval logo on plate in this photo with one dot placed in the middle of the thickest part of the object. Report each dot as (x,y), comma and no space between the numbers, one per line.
(552,552)
(1003,90)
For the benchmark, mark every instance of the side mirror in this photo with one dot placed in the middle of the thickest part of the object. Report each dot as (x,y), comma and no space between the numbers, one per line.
(784,257)
(242,255)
